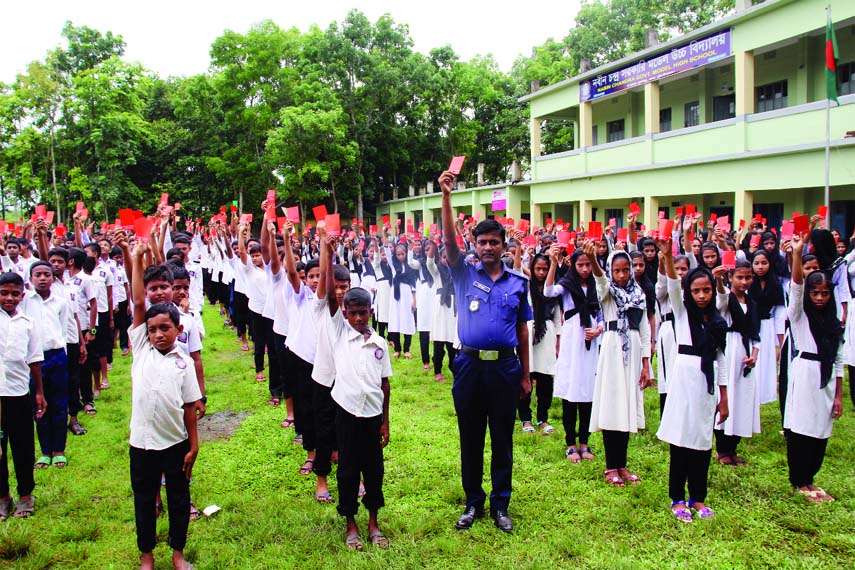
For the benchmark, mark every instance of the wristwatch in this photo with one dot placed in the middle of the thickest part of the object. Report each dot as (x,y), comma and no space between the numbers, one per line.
(93,331)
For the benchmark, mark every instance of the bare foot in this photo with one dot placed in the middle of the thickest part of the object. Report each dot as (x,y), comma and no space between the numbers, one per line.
(147,561)
(178,561)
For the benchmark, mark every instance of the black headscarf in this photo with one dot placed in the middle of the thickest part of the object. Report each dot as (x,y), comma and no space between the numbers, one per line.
(446,296)
(651,267)
(646,284)
(710,245)
(404,274)
(746,323)
(825,327)
(708,328)
(770,296)
(587,304)
(424,274)
(542,307)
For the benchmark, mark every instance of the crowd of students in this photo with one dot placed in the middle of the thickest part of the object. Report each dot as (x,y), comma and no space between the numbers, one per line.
(737,319)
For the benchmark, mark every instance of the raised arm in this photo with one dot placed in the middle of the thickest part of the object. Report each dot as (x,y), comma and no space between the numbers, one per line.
(137,286)
(449,233)
(243,231)
(275,264)
(266,236)
(290,266)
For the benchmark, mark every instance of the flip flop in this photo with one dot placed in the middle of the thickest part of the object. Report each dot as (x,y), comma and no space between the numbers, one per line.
(631,477)
(25,509)
(76,429)
(324,498)
(5,507)
(42,462)
(704,512)
(195,514)
(546,428)
(306,469)
(59,461)
(353,542)
(682,514)
(379,539)
(528,428)
(573,455)
(614,479)
(90,409)
(288,423)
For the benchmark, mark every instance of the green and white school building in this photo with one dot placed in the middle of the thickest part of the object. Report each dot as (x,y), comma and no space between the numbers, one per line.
(730,117)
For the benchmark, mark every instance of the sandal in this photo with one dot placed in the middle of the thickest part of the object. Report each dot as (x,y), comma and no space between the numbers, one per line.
(682,514)
(5,507)
(725,459)
(25,509)
(546,428)
(631,477)
(353,542)
(613,478)
(105,385)
(527,427)
(324,498)
(739,462)
(245,348)
(59,461)
(425,367)
(379,539)
(439,378)
(811,496)
(704,512)
(306,469)
(195,514)
(572,455)
(820,492)
(408,356)
(42,462)
(298,439)
(586,453)
(288,423)
(76,429)
(273,401)
(260,377)
(90,409)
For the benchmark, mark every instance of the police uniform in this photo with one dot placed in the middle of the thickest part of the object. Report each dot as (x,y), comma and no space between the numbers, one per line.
(487,374)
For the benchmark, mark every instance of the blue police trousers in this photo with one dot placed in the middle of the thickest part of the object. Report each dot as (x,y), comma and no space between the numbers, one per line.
(486,393)
(51,427)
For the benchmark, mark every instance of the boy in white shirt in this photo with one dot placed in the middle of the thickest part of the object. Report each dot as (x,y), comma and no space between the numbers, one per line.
(163,438)
(20,368)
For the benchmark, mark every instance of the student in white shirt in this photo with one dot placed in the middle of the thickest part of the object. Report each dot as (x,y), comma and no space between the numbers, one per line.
(256,282)
(102,277)
(53,312)
(121,302)
(163,437)
(20,369)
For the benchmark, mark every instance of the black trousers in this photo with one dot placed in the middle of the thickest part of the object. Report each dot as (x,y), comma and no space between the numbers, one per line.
(805,455)
(570,410)
(662,398)
(241,312)
(122,321)
(725,445)
(146,469)
(90,366)
(304,415)
(395,338)
(486,394)
(615,444)
(543,384)
(16,421)
(381,328)
(283,359)
(263,341)
(104,337)
(74,403)
(325,431)
(692,466)
(439,350)
(784,377)
(359,453)
(424,346)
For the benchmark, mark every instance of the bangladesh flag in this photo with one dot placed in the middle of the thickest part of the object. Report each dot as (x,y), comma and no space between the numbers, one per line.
(830,61)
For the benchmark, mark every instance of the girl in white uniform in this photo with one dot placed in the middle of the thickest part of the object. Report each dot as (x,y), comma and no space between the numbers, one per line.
(402,301)
(384,290)
(689,415)
(768,293)
(426,287)
(815,394)
(666,345)
(443,329)
(741,313)
(577,356)
(622,367)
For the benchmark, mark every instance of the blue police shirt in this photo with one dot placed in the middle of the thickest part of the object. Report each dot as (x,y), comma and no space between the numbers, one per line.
(488,311)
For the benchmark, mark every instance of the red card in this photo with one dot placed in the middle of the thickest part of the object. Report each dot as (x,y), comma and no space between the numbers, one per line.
(270,212)
(320,212)
(690,209)
(530,241)
(794,216)
(570,249)
(755,240)
(3,227)
(177,206)
(563,239)
(548,221)
(421,227)
(728,259)
(41,211)
(271,196)
(293,214)
(700,224)
(633,207)
(49,218)
(433,229)
(509,222)
(223,209)
(679,210)
(724,223)
(822,211)
(410,228)
(461,216)
(786,229)
(661,214)
(763,221)
(60,229)
(85,213)
(665,229)
(142,228)
(595,230)
(233,209)
(245,219)
(460,241)
(456,165)
(104,227)
(280,222)
(801,225)
(713,217)
(164,198)
(623,234)
(612,222)
(126,218)
(79,207)
(741,224)
(373,228)
(385,219)
(523,225)
(333,222)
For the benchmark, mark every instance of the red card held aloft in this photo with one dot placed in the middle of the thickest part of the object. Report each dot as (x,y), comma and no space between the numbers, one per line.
(801,225)
(270,212)
(713,217)
(679,210)
(126,218)
(723,222)
(372,228)
(728,259)
(622,234)
(177,206)
(49,218)
(271,196)
(523,225)
(293,214)
(245,219)
(456,165)
(79,207)
(222,209)
(563,239)
(434,229)
(142,228)
(634,208)
(530,241)
(60,230)
(320,213)
(41,211)
(665,229)
(691,209)
(786,229)
(822,211)
(333,222)
(460,241)
(280,222)
(595,230)
(612,222)
(755,240)
(164,198)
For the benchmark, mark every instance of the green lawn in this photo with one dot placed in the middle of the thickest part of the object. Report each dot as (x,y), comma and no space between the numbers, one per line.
(564,515)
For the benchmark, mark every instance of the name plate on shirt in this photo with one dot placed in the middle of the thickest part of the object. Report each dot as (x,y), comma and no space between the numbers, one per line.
(481,286)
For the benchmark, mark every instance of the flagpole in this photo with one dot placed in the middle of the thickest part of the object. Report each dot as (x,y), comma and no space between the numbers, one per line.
(827,200)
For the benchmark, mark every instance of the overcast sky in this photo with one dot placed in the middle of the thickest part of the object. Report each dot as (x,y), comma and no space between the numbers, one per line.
(173,37)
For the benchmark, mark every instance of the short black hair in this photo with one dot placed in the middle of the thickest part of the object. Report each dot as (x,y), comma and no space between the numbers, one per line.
(357,297)
(11,278)
(488,227)
(157,273)
(312,264)
(300,266)
(116,250)
(93,247)
(78,256)
(255,249)
(175,252)
(58,252)
(40,264)
(341,273)
(178,271)
(181,239)
(164,309)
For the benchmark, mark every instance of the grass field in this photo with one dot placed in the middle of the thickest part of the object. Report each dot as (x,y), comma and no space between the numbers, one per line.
(565,515)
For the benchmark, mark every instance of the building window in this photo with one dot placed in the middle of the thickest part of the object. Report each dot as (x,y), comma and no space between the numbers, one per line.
(724,107)
(614,131)
(594,136)
(617,214)
(692,114)
(772,96)
(665,120)
(846,76)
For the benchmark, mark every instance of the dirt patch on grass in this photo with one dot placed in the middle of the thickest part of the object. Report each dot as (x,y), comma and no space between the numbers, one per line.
(220,425)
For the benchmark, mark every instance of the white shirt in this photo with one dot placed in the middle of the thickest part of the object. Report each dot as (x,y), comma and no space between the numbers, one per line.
(20,346)
(121,278)
(190,339)
(359,368)
(281,313)
(323,371)
(161,385)
(52,315)
(240,278)
(102,277)
(302,328)
(196,293)
(81,290)
(256,286)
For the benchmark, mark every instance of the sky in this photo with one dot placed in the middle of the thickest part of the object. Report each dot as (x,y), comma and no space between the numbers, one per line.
(174,37)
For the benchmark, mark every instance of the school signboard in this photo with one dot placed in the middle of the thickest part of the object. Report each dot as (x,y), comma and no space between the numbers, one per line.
(683,58)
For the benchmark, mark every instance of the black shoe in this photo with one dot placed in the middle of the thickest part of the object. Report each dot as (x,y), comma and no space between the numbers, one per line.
(467,519)
(503,521)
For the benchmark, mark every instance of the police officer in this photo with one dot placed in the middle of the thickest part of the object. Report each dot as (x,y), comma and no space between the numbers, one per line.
(491,368)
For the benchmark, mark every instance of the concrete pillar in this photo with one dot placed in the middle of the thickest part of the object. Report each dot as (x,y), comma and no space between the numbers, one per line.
(477,207)
(651,107)
(585,212)
(743,206)
(744,82)
(534,132)
(651,212)
(535,215)
(586,123)
(514,207)
(427,215)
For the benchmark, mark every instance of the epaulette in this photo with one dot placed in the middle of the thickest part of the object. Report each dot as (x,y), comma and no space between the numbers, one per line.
(517,273)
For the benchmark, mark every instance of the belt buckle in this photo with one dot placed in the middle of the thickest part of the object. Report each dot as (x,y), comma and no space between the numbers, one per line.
(488,354)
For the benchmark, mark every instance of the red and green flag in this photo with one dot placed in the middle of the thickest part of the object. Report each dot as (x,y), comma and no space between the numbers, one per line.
(830,61)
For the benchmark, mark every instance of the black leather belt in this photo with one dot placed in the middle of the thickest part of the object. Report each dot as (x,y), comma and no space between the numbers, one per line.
(689,349)
(669,317)
(611,326)
(807,355)
(570,314)
(507,352)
